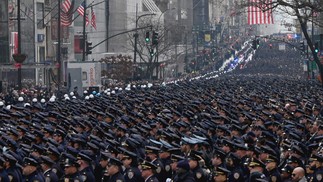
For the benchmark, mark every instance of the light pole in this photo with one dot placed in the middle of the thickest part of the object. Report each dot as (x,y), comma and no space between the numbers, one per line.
(136,37)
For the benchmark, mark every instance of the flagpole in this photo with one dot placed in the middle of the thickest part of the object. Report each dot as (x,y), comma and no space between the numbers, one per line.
(59,47)
(84,33)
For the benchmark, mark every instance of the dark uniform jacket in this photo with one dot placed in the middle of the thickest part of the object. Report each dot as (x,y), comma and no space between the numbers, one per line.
(132,174)
(152,179)
(87,174)
(50,176)
(35,177)
(76,177)
(118,177)
(184,177)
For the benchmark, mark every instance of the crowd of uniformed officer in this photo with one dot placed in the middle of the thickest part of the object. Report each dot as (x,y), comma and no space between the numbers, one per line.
(241,126)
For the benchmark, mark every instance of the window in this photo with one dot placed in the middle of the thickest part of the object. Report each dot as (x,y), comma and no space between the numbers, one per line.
(40,15)
(84,75)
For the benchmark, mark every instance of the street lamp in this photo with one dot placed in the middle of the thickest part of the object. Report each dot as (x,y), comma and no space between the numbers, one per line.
(136,36)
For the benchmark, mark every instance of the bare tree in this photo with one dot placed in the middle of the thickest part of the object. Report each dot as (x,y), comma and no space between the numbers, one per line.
(149,51)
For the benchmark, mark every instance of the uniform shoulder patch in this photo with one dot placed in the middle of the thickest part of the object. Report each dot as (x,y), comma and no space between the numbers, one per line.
(76,180)
(130,174)
(158,170)
(36,180)
(119,180)
(319,177)
(198,175)
(167,168)
(273,178)
(47,179)
(54,170)
(236,175)
(66,179)
(83,177)
(10,177)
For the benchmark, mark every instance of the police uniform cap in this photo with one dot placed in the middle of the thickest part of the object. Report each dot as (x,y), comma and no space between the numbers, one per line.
(105,155)
(151,149)
(176,158)
(70,160)
(316,157)
(145,165)
(28,161)
(37,148)
(9,157)
(219,153)
(84,155)
(183,164)
(112,149)
(52,149)
(221,171)
(59,132)
(272,158)
(288,169)
(115,161)
(293,159)
(93,146)
(195,155)
(256,163)
(46,160)
(127,154)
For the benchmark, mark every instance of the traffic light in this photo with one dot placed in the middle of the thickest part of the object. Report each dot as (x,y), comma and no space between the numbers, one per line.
(155,38)
(316,47)
(88,48)
(302,46)
(147,39)
(151,51)
(254,44)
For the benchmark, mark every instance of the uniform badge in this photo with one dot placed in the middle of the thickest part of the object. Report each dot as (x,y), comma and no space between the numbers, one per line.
(47,179)
(236,175)
(167,168)
(319,177)
(158,170)
(66,179)
(83,177)
(10,177)
(198,175)
(54,170)
(273,178)
(130,175)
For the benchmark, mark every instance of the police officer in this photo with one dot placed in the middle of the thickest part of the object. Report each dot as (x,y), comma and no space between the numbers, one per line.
(71,173)
(316,164)
(195,167)
(147,171)
(220,174)
(271,166)
(152,156)
(131,172)
(183,173)
(256,168)
(114,171)
(30,171)
(3,172)
(14,173)
(46,165)
(86,170)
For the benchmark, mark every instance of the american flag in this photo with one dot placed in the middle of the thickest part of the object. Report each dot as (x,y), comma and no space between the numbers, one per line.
(67,12)
(80,10)
(93,18)
(260,12)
